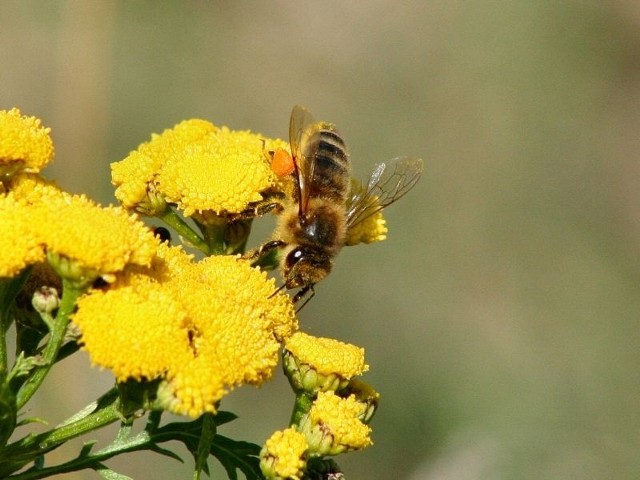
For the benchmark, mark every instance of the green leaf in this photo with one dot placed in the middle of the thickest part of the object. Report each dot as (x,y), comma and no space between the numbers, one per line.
(165,452)
(27,421)
(23,365)
(223,417)
(8,412)
(9,289)
(109,474)
(237,455)
(232,455)
(199,437)
(207,435)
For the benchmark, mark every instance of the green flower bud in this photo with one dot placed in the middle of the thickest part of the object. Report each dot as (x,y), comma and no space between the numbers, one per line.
(45,299)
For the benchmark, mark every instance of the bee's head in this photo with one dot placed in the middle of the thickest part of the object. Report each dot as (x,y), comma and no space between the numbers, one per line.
(305,266)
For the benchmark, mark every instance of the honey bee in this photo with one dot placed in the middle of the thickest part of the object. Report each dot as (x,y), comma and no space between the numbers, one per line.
(313,228)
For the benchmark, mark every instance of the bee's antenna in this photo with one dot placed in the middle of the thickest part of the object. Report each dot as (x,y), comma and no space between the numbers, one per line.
(278,290)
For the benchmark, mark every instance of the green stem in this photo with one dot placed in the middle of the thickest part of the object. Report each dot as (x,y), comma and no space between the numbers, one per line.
(301,407)
(18,454)
(214,233)
(176,222)
(70,293)
(105,415)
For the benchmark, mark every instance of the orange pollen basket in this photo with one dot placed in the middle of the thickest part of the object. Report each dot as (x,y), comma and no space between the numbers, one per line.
(282,163)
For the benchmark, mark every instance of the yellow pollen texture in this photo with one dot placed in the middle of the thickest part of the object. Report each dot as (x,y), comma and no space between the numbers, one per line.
(132,332)
(104,239)
(19,243)
(340,416)
(328,356)
(225,172)
(24,139)
(288,448)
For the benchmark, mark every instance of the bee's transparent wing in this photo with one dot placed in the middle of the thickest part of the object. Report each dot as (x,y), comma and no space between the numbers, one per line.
(303,133)
(388,182)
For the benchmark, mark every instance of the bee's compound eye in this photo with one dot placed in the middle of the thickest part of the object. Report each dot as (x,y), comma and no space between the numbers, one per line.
(294,266)
(295,255)
(300,257)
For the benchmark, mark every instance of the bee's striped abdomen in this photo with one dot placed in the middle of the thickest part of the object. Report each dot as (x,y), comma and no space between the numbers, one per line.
(332,171)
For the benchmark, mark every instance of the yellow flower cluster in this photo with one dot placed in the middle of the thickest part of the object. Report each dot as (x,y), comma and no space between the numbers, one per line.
(333,406)
(334,425)
(198,167)
(284,455)
(194,329)
(327,355)
(19,245)
(371,229)
(24,143)
(315,364)
(202,327)
(82,239)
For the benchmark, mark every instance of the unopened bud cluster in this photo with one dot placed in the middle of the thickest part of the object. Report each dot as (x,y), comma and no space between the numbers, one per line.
(332,411)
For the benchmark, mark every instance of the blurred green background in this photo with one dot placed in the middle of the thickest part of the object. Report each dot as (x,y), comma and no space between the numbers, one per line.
(501,317)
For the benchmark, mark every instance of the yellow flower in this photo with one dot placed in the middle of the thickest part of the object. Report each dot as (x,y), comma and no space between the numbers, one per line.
(135,176)
(96,240)
(371,229)
(24,143)
(171,262)
(283,455)
(199,167)
(327,355)
(235,329)
(314,364)
(22,242)
(81,239)
(333,425)
(19,244)
(203,328)
(31,189)
(365,394)
(134,332)
(222,173)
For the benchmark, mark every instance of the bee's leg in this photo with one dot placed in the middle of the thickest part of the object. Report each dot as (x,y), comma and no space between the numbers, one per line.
(256,211)
(303,293)
(273,202)
(265,208)
(263,249)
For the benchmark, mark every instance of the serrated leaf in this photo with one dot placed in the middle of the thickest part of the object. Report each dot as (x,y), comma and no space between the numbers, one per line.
(233,455)
(86,448)
(164,451)
(237,455)
(223,417)
(108,474)
(27,421)
(207,435)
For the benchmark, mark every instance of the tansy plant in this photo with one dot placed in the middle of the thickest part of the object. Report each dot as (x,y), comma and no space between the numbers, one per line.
(179,326)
